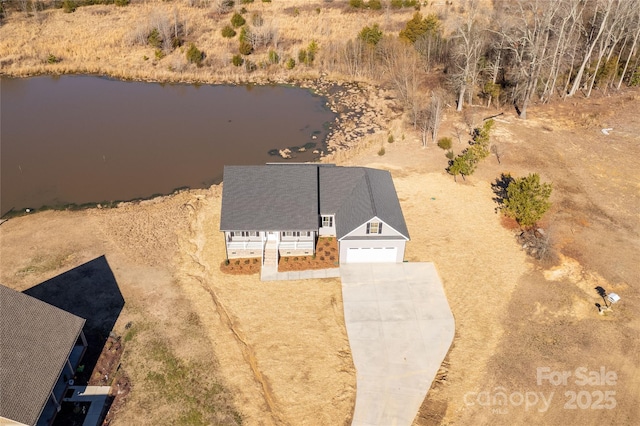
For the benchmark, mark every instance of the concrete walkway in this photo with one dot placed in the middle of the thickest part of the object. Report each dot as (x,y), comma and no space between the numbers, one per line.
(97,395)
(272,274)
(400,328)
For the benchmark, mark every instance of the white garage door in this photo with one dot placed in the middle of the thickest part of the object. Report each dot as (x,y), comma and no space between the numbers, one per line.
(372,255)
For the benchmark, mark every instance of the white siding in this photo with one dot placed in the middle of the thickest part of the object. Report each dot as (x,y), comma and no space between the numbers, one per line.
(387,231)
(328,230)
(386,246)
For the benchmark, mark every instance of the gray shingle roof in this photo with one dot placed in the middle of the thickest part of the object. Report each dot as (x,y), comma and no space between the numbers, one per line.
(385,200)
(35,342)
(270,198)
(285,197)
(358,194)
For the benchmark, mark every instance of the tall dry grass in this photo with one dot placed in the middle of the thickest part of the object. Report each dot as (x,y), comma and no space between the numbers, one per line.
(106,39)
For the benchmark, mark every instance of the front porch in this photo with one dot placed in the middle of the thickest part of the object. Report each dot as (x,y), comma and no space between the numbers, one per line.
(244,249)
(65,379)
(269,246)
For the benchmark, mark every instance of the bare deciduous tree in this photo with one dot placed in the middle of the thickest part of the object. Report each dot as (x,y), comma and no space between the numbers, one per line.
(605,7)
(467,49)
(352,56)
(400,64)
(636,18)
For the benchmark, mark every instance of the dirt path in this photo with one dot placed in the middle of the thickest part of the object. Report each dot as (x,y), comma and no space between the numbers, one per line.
(197,268)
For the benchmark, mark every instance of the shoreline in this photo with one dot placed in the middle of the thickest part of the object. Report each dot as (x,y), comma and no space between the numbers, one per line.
(349,101)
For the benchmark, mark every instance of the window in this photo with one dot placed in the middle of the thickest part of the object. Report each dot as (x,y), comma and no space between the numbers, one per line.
(327,221)
(244,233)
(374,228)
(296,233)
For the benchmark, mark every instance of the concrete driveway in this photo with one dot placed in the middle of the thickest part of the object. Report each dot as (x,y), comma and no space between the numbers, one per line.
(400,328)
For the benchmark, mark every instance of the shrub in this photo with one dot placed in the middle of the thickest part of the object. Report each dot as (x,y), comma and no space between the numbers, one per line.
(417,27)
(69,6)
(52,59)
(449,155)
(273,57)
(461,165)
(308,55)
(396,4)
(243,37)
(527,200)
(159,54)
(371,35)
(195,55)
(491,89)
(302,56)
(445,143)
(237,20)
(390,139)
(228,31)
(121,2)
(176,42)
(374,4)
(312,49)
(246,1)
(245,48)
(154,39)
(635,78)
(291,63)
(356,4)
(237,60)
(382,151)
(257,20)
(249,66)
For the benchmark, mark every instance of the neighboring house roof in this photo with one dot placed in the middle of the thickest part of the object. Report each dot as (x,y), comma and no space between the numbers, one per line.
(36,340)
(291,197)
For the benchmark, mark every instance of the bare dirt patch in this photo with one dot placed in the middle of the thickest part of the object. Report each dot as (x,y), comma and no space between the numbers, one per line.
(551,319)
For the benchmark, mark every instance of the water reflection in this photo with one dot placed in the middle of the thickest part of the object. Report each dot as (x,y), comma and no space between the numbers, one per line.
(79,139)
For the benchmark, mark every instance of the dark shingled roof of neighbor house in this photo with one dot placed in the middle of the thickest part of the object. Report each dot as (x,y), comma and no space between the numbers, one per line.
(285,197)
(36,340)
(269,198)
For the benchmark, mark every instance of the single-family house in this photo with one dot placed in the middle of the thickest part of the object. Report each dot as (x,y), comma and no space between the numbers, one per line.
(281,209)
(40,348)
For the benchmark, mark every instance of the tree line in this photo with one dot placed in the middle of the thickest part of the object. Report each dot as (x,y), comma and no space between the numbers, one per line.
(522,51)
(518,52)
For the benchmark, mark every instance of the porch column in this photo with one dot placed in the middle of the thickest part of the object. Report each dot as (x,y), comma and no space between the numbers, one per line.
(55,402)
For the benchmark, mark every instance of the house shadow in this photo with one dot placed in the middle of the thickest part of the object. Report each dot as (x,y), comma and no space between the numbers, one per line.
(89,291)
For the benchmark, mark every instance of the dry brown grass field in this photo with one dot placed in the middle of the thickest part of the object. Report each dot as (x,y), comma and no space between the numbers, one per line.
(204,347)
(104,39)
(279,354)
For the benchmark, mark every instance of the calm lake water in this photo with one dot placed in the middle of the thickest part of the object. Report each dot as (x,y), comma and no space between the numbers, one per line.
(81,139)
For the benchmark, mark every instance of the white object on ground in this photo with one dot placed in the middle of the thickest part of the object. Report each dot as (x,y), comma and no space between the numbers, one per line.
(613,297)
